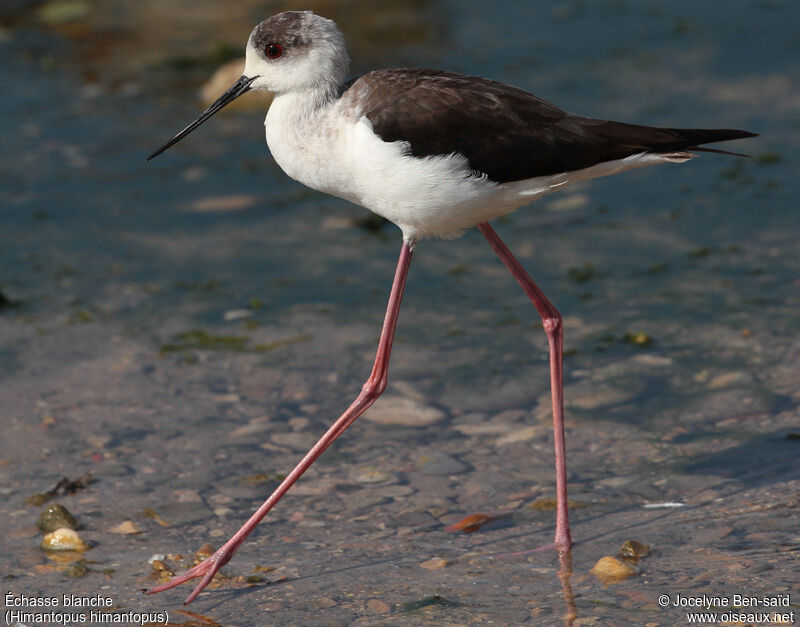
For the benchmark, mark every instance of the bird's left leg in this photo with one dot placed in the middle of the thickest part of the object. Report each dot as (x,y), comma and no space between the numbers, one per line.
(370,392)
(551,321)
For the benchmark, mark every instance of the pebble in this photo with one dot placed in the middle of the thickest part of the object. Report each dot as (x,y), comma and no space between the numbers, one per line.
(296,440)
(435,563)
(363,499)
(377,606)
(204,552)
(494,395)
(482,429)
(231,202)
(226,398)
(395,491)
(160,572)
(126,527)
(439,463)
(63,540)
(369,476)
(637,338)
(654,361)
(589,395)
(733,401)
(236,314)
(99,440)
(730,379)
(522,435)
(336,223)
(314,524)
(299,423)
(408,412)
(634,549)
(701,377)
(611,570)
(194,173)
(58,12)
(56,516)
(177,514)
(469,524)
(221,499)
(616,482)
(416,519)
(76,570)
(254,427)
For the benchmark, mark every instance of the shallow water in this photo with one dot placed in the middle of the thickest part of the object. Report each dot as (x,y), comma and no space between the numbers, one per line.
(679,288)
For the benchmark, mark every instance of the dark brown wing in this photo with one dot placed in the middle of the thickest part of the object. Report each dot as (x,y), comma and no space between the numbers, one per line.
(503,132)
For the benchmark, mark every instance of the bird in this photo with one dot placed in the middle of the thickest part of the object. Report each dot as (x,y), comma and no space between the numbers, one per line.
(436,153)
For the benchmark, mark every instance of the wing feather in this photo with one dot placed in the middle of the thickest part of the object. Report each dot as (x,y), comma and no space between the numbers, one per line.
(504,133)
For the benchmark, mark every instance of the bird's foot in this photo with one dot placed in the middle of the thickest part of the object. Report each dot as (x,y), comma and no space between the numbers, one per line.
(205,569)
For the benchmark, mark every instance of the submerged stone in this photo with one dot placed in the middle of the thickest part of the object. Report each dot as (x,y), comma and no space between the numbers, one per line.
(369,476)
(376,606)
(63,540)
(611,570)
(407,412)
(435,563)
(634,549)
(126,527)
(438,463)
(56,516)
(469,524)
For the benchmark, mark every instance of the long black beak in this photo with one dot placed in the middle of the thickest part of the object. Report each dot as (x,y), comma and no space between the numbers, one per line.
(237,89)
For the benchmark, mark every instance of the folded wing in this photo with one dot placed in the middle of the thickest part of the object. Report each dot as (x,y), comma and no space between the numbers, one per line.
(504,133)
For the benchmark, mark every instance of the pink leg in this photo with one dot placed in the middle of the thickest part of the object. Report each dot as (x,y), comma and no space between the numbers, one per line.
(551,320)
(370,392)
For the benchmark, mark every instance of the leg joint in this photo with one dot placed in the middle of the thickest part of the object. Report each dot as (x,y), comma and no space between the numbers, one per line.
(552,323)
(373,388)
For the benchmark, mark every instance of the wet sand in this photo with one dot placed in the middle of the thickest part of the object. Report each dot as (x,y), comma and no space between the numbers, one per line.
(184,330)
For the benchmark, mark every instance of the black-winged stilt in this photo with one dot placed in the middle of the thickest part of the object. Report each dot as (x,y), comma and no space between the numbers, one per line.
(436,153)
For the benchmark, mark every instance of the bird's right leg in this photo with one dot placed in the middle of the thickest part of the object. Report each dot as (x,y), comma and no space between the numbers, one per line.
(372,389)
(553,327)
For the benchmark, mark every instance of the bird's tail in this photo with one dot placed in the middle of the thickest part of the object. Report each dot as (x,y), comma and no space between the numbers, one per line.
(631,138)
(693,138)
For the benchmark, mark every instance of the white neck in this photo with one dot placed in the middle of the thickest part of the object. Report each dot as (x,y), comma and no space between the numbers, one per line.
(298,134)
(293,112)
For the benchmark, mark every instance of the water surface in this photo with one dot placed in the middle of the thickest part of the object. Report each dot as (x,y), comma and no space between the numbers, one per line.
(678,285)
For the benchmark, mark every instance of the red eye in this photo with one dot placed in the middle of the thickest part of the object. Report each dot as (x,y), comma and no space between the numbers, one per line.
(273,50)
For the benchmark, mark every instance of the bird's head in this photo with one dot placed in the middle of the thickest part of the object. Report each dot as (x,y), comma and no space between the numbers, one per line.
(294,51)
